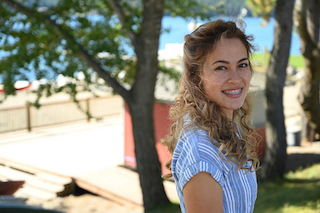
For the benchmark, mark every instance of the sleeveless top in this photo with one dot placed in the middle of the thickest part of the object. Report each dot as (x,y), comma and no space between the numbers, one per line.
(195,153)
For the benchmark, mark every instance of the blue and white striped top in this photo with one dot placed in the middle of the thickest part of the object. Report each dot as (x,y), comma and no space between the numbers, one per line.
(195,153)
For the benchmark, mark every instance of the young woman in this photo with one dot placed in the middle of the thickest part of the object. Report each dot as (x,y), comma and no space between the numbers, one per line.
(214,159)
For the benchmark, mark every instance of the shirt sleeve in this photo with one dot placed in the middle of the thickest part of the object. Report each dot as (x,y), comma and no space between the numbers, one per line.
(195,153)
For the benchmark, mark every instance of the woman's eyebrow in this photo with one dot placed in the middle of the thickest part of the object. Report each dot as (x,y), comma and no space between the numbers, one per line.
(243,59)
(220,61)
(227,62)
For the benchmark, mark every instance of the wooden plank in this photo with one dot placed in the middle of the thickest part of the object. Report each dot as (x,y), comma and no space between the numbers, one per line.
(54,178)
(67,182)
(37,193)
(31,180)
(27,168)
(103,193)
(11,198)
(115,183)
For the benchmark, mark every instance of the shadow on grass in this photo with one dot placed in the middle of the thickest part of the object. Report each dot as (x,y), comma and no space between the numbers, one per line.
(169,208)
(298,161)
(302,180)
(275,195)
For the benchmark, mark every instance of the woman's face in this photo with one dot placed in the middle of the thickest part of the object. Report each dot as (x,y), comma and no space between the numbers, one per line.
(226,75)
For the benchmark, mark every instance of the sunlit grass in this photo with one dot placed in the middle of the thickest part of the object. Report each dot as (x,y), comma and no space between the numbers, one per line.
(299,192)
(312,172)
(296,61)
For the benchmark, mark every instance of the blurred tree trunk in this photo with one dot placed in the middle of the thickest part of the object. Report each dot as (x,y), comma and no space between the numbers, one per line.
(307,14)
(276,144)
(141,105)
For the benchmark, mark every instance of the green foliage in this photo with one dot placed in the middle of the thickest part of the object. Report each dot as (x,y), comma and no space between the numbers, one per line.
(226,7)
(262,8)
(34,46)
(45,43)
(193,8)
(133,14)
(209,7)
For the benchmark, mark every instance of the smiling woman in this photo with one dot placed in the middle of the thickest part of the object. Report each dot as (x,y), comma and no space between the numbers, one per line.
(226,75)
(214,159)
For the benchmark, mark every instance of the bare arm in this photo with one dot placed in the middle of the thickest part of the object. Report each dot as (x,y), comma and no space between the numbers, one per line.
(203,194)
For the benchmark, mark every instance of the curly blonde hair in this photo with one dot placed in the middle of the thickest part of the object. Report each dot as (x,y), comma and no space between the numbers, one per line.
(205,114)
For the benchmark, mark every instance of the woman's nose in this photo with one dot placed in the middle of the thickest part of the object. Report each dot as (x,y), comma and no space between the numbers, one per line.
(234,77)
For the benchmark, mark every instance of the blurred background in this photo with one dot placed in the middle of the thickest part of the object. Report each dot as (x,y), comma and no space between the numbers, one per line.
(86,87)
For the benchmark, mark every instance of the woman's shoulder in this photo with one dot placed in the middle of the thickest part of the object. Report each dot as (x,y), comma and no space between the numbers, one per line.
(196,153)
(194,136)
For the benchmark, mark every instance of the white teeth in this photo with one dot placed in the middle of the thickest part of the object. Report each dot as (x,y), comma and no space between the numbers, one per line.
(232,92)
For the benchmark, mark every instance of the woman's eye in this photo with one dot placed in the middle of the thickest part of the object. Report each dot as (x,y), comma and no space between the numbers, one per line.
(243,65)
(221,68)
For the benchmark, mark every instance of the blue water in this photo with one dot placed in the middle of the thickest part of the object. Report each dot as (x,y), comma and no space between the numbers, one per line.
(263,35)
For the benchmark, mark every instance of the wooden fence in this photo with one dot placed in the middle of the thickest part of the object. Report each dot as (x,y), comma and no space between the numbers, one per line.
(28,117)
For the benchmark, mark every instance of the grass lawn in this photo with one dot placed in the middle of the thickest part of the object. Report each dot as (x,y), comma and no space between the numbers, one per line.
(294,60)
(298,192)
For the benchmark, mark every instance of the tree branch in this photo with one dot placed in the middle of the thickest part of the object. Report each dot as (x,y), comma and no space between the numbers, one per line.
(79,49)
(305,39)
(118,10)
(313,20)
(148,45)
